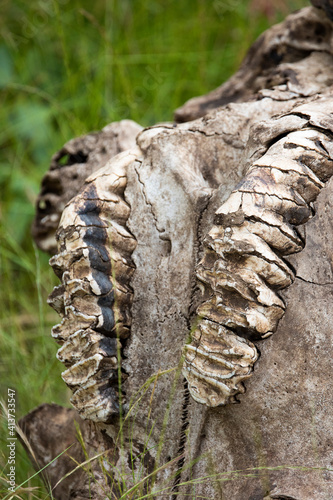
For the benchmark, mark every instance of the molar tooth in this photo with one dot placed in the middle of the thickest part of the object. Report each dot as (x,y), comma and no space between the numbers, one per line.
(243,263)
(96,268)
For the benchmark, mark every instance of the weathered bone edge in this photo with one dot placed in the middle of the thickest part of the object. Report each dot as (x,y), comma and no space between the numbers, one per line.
(243,265)
(94,300)
(279,62)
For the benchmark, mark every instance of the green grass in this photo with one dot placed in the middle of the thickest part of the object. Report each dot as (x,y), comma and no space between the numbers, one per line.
(68,67)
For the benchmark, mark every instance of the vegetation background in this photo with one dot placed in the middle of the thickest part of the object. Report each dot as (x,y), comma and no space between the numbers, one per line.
(68,67)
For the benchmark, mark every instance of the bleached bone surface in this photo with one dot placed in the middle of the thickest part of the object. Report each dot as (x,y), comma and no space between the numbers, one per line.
(243,266)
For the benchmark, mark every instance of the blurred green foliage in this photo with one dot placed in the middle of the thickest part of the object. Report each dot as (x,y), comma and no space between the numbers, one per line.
(68,67)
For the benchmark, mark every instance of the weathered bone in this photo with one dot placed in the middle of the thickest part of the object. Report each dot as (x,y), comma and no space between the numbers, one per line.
(288,399)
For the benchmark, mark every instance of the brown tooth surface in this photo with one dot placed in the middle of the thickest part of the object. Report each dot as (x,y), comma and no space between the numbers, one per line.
(216,363)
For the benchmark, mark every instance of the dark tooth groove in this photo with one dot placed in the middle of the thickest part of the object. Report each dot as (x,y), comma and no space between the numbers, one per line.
(90,346)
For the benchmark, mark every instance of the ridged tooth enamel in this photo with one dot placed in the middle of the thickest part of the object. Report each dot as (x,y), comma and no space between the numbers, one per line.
(243,263)
(95,266)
